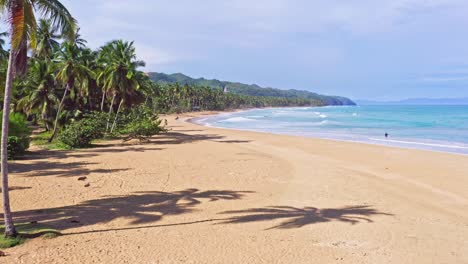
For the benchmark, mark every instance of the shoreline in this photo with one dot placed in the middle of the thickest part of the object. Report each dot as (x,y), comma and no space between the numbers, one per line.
(216,113)
(209,195)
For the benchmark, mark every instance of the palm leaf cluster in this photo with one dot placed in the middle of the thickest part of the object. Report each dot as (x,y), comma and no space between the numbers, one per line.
(65,78)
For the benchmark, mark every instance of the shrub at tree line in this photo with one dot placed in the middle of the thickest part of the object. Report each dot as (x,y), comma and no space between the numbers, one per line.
(18,135)
(139,123)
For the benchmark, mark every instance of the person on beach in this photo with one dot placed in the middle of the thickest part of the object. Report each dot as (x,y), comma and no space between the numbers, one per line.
(386,135)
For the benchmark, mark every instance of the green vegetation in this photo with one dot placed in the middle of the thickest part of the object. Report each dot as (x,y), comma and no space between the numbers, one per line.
(27,231)
(140,123)
(78,95)
(172,98)
(42,140)
(250,90)
(18,135)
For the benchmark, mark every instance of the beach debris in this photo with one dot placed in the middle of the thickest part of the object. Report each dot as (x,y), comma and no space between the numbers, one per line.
(33,222)
(82,178)
(2,254)
(87,185)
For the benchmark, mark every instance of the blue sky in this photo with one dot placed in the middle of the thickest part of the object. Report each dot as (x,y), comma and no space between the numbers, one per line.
(364,49)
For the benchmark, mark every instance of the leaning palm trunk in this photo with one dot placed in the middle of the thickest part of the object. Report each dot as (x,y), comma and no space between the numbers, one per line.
(45,119)
(58,113)
(10,230)
(110,112)
(102,101)
(116,116)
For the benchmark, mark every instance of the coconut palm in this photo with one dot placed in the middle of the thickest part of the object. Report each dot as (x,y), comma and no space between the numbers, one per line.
(21,20)
(72,72)
(120,75)
(47,39)
(40,86)
(78,40)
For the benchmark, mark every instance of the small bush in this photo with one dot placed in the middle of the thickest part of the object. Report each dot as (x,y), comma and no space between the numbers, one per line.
(18,135)
(17,146)
(75,135)
(18,126)
(141,123)
(80,133)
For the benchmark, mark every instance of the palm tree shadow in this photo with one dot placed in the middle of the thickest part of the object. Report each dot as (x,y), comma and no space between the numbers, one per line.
(300,217)
(139,208)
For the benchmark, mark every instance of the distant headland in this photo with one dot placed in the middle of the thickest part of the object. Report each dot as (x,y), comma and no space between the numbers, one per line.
(418,101)
(247,89)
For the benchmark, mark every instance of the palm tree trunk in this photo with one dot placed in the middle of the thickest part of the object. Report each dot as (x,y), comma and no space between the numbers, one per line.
(116,115)
(10,230)
(58,113)
(45,120)
(102,101)
(110,112)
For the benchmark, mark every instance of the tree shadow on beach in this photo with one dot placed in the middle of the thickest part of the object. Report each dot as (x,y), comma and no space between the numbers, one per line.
(183,138)
(44,168)
(294,217)
(139,208)
(145,210)
(65,163)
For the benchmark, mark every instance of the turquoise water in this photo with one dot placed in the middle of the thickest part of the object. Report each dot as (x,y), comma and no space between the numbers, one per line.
(440,128)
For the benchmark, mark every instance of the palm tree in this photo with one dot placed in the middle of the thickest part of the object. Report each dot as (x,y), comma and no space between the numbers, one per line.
(21,20)
(72,70)
(47,39)
(119,76)
(79,41)
(3,52)
(41,97)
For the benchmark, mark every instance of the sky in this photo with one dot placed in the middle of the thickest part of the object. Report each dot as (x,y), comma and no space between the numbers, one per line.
(363,49)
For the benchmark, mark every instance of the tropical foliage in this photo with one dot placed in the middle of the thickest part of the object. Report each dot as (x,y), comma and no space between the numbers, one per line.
(20,16)
(246,89)
(18,135)
(182,98)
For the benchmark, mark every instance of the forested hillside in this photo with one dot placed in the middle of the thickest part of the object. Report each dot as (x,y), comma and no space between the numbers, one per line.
(246,89)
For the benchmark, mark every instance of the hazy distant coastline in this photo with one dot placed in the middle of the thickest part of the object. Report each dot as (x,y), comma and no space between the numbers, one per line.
(417,101)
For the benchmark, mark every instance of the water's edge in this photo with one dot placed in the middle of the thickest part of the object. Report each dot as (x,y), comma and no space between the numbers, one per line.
(433,147)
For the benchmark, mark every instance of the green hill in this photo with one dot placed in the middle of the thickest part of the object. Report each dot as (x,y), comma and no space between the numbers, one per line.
(246,89)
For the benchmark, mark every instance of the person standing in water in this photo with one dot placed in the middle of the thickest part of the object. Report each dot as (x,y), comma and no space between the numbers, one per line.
(386,135)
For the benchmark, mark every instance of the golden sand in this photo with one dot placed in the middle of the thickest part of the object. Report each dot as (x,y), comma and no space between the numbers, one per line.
(208,195)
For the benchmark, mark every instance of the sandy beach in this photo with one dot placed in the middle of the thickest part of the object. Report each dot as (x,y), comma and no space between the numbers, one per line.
(207,195)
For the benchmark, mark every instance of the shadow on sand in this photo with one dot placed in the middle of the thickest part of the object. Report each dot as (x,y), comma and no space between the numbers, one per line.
(140,208)
(298,217)
(183,138)
(144,210)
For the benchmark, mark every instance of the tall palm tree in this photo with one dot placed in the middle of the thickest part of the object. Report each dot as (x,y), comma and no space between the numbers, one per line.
(120,75)
(40,86)
(21,20)
(72,71)
(47,39)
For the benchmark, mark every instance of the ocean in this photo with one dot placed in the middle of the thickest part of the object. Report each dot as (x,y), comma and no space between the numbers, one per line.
(437,128)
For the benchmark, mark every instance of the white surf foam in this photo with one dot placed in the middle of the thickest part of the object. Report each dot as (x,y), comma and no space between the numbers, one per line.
(420,143)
